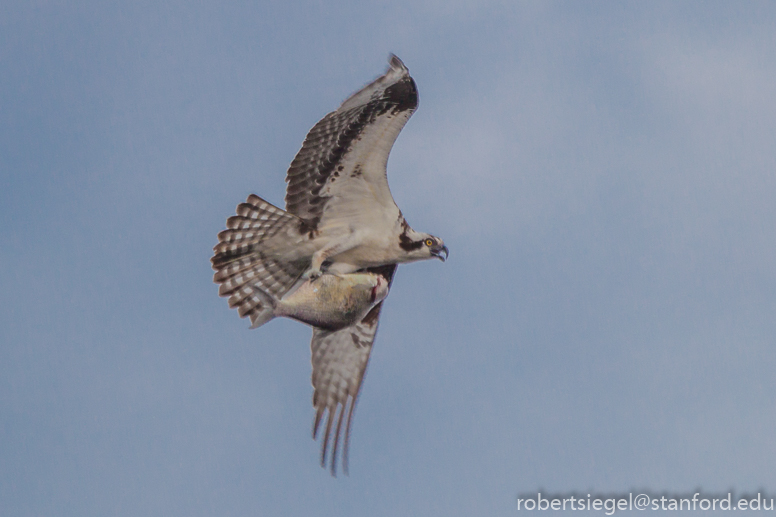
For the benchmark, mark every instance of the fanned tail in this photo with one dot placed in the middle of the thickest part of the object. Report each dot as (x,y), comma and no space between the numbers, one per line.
(250,275)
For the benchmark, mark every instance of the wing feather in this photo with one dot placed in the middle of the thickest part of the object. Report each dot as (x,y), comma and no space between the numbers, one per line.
(347,151)
(339,360)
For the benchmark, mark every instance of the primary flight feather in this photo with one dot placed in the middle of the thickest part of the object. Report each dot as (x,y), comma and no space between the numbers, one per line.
(340,218)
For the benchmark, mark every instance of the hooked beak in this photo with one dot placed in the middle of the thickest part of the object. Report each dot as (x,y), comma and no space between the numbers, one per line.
(437,252)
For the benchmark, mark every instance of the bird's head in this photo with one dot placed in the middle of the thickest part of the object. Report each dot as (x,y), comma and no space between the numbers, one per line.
(421,246)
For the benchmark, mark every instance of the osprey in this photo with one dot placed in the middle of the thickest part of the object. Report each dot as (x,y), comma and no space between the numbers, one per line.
(340,218)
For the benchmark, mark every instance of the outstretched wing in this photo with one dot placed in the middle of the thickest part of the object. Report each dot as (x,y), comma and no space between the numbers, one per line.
(340,169)
(339,360)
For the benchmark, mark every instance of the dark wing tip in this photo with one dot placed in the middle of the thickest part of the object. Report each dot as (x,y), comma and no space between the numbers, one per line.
(403,95)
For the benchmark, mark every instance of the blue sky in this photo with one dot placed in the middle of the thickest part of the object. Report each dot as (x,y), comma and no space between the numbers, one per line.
(603,173)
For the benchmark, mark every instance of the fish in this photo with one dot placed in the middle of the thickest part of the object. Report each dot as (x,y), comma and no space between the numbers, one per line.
(331,301)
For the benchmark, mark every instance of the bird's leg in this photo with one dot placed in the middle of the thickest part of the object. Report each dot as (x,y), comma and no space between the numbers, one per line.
(320,256)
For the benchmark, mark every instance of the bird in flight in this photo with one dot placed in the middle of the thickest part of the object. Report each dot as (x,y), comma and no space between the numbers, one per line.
(340,218)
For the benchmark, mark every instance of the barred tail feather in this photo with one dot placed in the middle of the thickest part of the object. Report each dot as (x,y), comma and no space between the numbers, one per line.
(252,278)
(256,221)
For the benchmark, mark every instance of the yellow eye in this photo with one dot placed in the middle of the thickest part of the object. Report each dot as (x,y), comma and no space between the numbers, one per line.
(428,242)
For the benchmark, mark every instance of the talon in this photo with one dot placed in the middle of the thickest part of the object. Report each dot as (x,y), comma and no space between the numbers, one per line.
(312,274)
